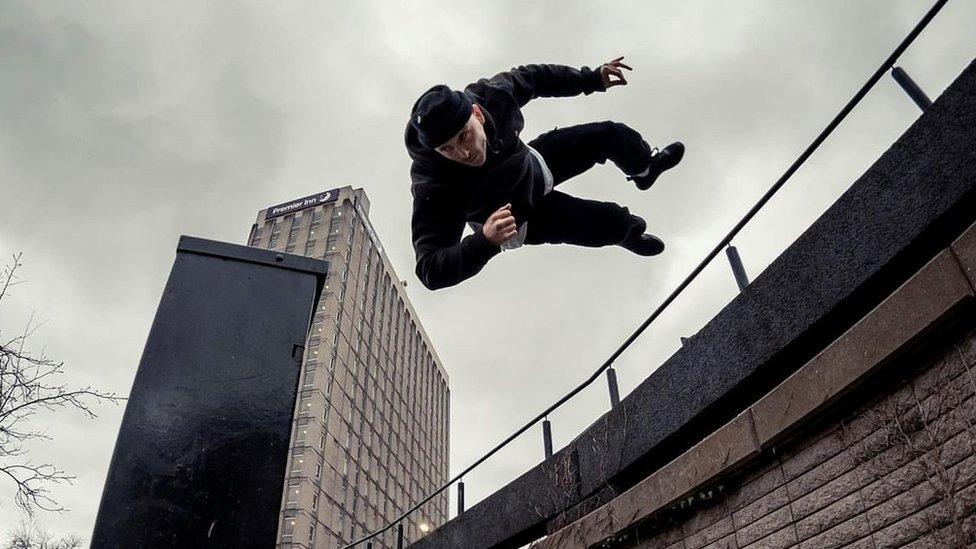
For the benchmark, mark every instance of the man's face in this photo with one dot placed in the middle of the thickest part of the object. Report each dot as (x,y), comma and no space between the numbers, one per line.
(470,145)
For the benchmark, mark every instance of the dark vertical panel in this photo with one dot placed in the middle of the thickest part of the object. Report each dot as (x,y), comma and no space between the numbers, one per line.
(201,454)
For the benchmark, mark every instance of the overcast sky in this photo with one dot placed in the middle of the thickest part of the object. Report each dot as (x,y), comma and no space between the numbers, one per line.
(126,124)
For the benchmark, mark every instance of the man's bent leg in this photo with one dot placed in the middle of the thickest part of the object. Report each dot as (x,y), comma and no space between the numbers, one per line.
(564,219)
(573,150)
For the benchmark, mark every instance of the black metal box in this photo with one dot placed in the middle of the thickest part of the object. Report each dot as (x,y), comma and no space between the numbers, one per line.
(201,455)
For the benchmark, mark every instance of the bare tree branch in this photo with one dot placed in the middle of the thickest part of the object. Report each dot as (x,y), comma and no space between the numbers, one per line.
(28,385)
(29,535)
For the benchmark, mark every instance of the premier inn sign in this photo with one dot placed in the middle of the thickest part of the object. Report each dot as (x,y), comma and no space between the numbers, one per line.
(302,203)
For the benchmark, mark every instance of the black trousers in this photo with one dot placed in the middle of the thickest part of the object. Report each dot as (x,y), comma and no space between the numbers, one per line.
(563,219)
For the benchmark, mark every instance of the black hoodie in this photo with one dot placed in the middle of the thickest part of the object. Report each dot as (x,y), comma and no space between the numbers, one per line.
(447,194)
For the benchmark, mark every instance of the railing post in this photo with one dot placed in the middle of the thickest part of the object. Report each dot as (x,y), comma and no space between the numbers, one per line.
(460,497)
(911,88)
(400,536)
(738,271)
(369,545)
(547,437)
(612,384)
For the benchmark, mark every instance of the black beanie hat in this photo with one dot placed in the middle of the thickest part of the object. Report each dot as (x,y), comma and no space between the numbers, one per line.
(439,114)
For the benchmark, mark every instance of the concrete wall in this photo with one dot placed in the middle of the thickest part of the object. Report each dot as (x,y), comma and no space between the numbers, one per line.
(897,471)
(872,443)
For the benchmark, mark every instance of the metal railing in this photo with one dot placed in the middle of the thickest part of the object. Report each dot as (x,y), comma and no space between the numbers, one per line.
(726,240)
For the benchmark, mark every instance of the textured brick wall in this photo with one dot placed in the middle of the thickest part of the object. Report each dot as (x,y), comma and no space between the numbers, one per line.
(899,470)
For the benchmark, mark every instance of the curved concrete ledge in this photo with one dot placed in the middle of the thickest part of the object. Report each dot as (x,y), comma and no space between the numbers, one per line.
(934,294)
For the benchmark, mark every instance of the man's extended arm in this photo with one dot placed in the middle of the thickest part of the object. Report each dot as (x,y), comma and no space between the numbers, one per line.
(528,82)
(443,258)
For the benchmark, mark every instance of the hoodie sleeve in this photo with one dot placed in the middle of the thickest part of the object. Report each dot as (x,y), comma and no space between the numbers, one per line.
(529,82)
(443,258)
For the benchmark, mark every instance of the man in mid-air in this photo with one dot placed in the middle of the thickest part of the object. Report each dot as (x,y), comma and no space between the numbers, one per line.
(469,165)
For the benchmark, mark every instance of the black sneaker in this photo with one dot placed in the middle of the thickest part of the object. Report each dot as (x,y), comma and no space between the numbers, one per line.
(645,244)
(660,161)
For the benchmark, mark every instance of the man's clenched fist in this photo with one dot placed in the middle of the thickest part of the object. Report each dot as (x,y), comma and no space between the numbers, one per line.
(500,226)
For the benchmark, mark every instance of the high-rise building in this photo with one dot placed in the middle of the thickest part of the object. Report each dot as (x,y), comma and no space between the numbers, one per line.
(370,435)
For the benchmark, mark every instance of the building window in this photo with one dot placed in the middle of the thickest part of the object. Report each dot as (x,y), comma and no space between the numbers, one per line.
(289,524)
(293,232)
(275,231)
(297,464)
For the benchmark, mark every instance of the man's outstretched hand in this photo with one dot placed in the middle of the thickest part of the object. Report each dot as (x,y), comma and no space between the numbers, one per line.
(612,68)
(500,226)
